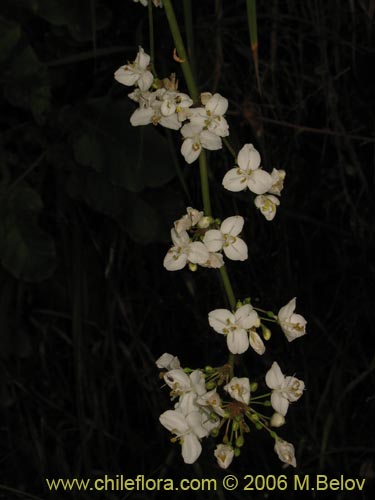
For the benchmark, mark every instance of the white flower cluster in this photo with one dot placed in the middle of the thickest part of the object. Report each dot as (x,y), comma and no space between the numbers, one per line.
(248,174)
(205,125)
(195,243)
(200,411)
(240,326)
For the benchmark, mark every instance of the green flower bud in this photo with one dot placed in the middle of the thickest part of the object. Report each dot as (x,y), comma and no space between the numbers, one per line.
(208,369)
(266,332)
(258,426)
(240,441)
(267,403)
(253,386)
(193,267)
(215,432)
(235,425)
(210,385)
(237,452)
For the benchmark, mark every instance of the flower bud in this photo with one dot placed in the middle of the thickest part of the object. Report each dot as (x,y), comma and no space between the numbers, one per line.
(253,386)
(240,441)
(210,385)
(237,452)
(205,222)
(193,267)
(266,332)
(277,420)
(258,426)
(215,432)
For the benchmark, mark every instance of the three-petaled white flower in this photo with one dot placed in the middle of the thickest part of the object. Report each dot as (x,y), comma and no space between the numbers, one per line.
(239,389)
(136,73)
(184,251)
(293,325)
(188,430)
(248,174)
(234,326)
(224,454)
(195,137)
(211,117)
(285,390)
(285,452)
(189,220)
(226,239)
(151,110)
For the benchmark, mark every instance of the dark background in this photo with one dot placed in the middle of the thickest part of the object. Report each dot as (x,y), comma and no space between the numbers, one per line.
(86,204)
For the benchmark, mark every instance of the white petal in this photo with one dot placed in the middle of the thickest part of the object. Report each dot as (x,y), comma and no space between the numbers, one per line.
(238,341)
(172,122)
(232,225)
(180,239)
(168,361)
(237,250)
(197,253)
(142,60)
(285,452)
(213,239)
(174,261)
(246,316)
(279,403)
(173,421)
(209,140)
(256,342)
(259,181)
(274,377)
(141,116)
(126,76)
(194,420)
(191,448)
(248,158)
(145,80)
(217,104)
(234,181)
(177,380)
(190,150)
(219,319)
(287,310)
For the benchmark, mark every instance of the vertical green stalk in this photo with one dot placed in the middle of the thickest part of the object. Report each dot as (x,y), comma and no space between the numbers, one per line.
(181,52)
(253,32)
(188,18)
(203,167)
(151,37)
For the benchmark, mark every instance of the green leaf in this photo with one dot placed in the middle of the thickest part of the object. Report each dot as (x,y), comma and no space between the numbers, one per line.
(82,18)
(27,83)
(26,251)
(9,36)
(132,157)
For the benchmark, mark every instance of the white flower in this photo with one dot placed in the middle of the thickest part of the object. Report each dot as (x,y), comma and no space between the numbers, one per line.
(175,102)
(213,400)
(136,73)
(285,452)
(188,429)
(267,204)
(187,387)
(293,325)
(234,326)
(226,238)
(285,390)
(189,220)
(278,177)
(239,389)
(211,117)
(168,361)
(150,110)
(195,138)
(224,454)
(184,251)
(248,174)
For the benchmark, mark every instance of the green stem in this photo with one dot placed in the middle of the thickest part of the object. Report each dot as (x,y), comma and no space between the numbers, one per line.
(205,188)
(151,37)
(181,52)
(203,167)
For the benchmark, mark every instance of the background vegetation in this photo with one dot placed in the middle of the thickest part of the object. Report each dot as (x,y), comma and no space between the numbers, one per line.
(86,203)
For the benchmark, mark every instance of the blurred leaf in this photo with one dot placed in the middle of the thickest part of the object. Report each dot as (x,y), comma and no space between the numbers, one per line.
(9,36)
(145,217)
(27,83)
(132,157)
(82,18)
(26,251)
